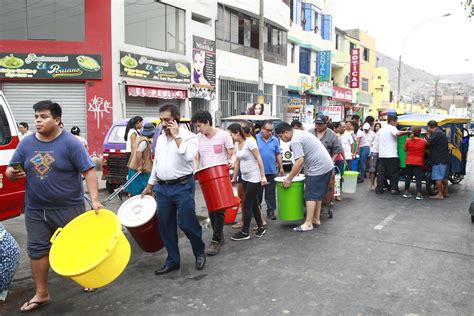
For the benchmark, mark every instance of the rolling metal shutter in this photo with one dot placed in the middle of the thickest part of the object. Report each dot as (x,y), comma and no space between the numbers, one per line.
(145,107)
(71,96)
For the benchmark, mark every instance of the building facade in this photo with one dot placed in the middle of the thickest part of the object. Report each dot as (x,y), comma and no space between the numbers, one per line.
(163,52)
(237,42)
(53,51)
(310,47)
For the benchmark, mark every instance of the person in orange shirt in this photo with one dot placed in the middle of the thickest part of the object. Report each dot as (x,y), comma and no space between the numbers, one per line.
(415,148)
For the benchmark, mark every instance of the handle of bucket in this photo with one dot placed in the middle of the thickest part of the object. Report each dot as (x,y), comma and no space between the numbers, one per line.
(111,244)
(56,233)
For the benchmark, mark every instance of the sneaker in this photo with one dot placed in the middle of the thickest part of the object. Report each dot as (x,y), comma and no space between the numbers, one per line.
(407,195)
(240,236)
(419,197)
(260,232)
(271,215)
(214,248)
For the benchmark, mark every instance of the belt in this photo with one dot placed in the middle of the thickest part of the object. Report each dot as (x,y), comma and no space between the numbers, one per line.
(175,181)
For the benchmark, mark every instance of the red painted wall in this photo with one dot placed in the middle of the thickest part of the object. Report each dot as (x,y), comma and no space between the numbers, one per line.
(97,40)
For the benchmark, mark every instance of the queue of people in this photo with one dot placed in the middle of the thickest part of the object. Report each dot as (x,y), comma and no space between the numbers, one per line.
(54,163)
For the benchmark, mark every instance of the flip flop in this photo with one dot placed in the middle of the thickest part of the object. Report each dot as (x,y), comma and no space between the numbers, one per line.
(37,305)
(300,229)
(316,225)
(89,290)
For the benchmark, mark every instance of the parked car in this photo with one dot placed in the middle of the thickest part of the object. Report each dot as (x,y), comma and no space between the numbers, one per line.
(11,193)
(256,120)
(114,163)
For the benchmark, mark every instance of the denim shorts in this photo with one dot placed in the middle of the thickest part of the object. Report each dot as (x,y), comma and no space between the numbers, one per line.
(316,187)
(439,172)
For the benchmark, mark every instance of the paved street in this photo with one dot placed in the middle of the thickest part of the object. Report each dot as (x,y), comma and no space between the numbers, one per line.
(379,255)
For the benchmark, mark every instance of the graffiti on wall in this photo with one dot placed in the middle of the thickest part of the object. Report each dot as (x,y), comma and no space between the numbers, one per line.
(99,106)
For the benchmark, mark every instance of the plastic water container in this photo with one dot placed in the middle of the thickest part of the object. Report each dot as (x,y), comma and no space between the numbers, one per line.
(291,199)
(350,182)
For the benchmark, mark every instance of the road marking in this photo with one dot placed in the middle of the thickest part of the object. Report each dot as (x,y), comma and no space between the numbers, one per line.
(382,224)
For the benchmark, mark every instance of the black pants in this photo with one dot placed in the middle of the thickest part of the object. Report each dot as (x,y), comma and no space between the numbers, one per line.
(217,224)
(251,205)
(270,194)
(418,172)
(389,168)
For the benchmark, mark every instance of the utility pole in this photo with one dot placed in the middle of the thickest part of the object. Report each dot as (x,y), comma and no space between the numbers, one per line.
(436,94)
(261,29)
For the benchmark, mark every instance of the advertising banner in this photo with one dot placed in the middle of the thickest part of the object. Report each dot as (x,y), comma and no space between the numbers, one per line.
(332,111)
(50,66)
(204,62)
(355,68)
(323,66)
(157,93)
(341,94)
(151,68)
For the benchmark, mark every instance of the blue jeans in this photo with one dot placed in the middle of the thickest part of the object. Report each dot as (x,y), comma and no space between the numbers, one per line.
(176,206)
(364,155)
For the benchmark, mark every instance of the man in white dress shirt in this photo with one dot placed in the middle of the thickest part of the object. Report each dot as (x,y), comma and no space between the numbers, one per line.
(172,179)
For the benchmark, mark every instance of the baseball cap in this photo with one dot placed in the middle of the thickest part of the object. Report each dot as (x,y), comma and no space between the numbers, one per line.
(320,119)
(366,126)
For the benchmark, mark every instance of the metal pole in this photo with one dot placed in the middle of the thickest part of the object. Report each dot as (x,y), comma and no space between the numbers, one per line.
(261,29)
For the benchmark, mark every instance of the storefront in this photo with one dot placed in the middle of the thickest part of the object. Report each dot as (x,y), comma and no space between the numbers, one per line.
(154,82)
(340,101)
(65,61)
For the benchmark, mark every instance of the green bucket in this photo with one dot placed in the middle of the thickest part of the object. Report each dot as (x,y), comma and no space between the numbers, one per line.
(402,154)
(291,199)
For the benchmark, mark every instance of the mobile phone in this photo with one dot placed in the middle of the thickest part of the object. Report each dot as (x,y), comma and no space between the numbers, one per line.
(18,166)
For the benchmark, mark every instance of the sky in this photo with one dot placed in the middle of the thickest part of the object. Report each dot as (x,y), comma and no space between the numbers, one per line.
(442,46)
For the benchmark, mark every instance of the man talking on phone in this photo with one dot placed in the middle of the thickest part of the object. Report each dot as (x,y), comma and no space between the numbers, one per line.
(53,163)
(174,186)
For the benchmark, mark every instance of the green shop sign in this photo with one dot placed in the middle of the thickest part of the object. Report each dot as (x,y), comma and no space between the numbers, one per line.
(50,66)
(151,68)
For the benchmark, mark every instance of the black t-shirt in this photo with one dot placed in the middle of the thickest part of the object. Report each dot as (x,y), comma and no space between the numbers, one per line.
(438,143)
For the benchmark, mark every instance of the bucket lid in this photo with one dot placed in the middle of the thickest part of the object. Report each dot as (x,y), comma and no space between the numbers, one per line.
(137,211)
(211,166)
(295,179)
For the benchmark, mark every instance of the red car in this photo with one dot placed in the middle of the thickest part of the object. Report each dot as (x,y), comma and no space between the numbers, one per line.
(11,193)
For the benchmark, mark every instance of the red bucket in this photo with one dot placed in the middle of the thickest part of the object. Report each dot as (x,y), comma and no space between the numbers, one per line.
(141,219)
(231,213)
(216,187)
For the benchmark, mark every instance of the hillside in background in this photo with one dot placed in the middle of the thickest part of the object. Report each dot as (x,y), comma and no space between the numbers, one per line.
(418,83)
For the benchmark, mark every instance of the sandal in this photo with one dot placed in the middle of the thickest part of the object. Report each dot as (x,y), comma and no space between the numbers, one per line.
(36,304)
(89,290)
(239,225)
(300,229)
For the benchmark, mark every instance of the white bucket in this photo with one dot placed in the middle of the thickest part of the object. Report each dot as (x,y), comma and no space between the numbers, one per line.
(350,182)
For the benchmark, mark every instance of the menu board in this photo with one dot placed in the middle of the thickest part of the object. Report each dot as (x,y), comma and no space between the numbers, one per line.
(151,68)
(50,66)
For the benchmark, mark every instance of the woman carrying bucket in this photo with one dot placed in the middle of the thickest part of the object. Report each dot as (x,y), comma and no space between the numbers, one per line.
(250,164)
(141,160)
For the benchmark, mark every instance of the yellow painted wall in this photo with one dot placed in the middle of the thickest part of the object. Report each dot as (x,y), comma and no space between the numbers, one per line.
(381,90)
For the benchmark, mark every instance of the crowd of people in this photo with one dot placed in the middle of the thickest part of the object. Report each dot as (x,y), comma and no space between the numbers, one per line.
(55,161)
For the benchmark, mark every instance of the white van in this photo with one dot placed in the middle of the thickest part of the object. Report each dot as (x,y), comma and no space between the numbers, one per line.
(11,193)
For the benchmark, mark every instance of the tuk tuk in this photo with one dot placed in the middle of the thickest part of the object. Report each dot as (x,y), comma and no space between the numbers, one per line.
(455,128)
(114,163)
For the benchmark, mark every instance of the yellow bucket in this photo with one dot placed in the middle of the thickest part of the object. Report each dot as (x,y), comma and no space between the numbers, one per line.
(91,249)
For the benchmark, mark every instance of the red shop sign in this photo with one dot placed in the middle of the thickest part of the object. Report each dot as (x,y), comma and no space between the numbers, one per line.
(158,93)
(355,68)
(341,94)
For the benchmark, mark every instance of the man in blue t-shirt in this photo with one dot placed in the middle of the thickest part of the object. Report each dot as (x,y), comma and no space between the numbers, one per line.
(269,147)
(52,161)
